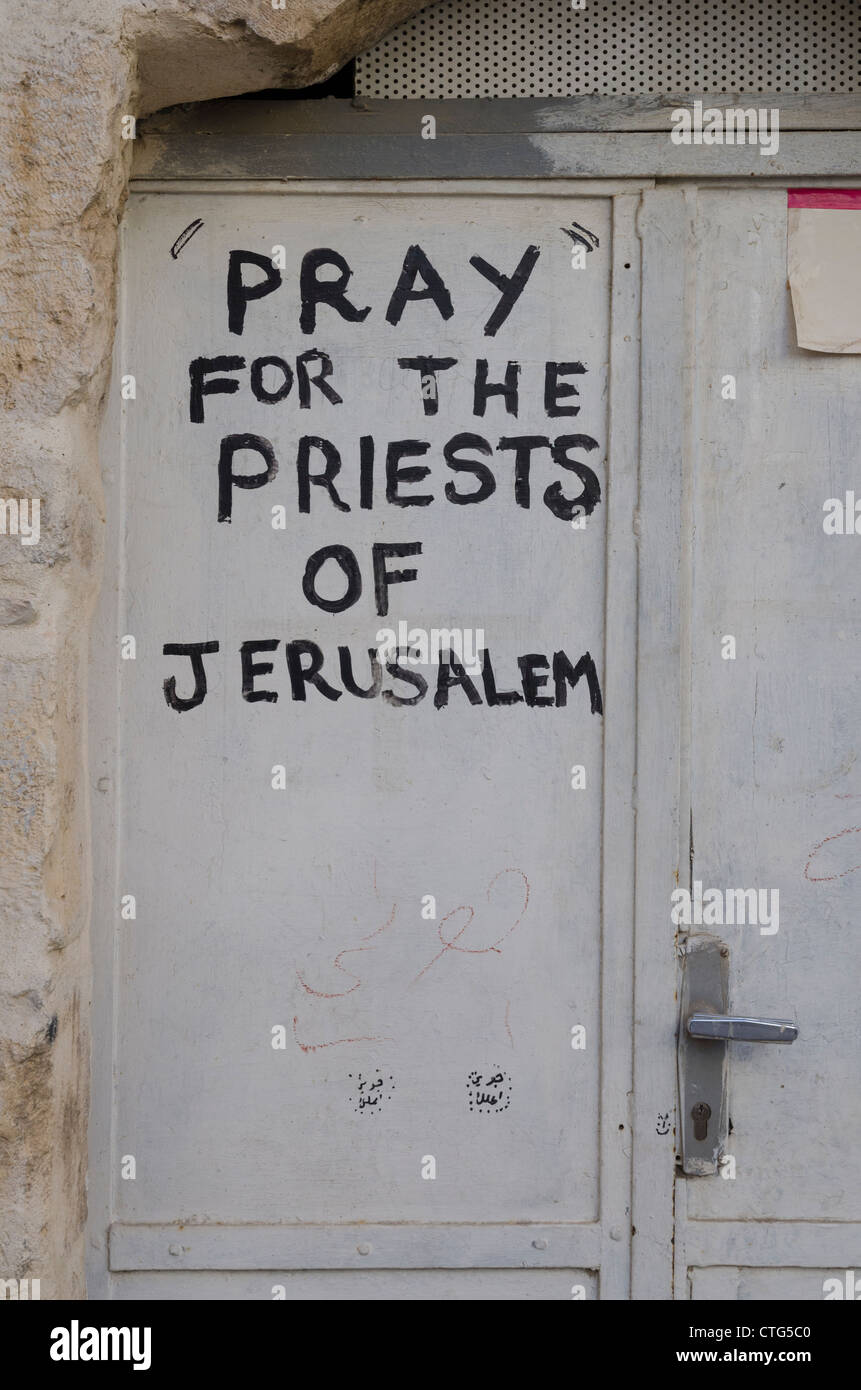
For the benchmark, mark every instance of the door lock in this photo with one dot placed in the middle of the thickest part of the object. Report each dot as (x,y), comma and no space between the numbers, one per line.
(701,1114)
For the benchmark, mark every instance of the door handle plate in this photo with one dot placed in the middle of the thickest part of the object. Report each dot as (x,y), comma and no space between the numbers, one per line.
(702,1065)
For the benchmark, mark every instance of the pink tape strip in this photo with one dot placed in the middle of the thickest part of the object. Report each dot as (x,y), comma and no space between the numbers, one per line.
(824,197)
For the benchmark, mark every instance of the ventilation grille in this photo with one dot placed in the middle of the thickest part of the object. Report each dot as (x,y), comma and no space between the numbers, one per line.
(545,48)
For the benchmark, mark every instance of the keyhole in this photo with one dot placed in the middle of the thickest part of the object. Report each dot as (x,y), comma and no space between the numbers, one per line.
(700,1116)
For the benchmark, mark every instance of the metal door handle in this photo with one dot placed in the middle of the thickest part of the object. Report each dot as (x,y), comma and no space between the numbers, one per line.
(738,1028)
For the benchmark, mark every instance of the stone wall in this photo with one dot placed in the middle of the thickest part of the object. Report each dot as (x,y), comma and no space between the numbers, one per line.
(68,74)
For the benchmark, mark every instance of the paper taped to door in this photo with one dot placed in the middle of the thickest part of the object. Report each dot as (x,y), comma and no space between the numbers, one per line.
(824,252)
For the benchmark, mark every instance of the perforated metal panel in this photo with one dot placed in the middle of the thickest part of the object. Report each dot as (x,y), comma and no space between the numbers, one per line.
(546,48)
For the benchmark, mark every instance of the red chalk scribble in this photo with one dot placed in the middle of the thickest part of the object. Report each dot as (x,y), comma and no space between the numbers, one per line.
(450,944)
(336,1042)
(348,951)
(829,878)
(507,1027)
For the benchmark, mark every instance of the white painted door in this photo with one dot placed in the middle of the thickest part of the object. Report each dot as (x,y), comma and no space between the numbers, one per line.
(423,914)
(365,928)
(773,746)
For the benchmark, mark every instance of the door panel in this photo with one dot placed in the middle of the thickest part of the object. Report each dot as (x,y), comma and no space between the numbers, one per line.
(332,987)
(775,788)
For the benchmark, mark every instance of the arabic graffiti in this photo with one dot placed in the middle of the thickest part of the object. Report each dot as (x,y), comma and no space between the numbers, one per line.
(348,951)
(371,1090)
(333,1042)
(449,943)
(490,1092)
(463,931)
